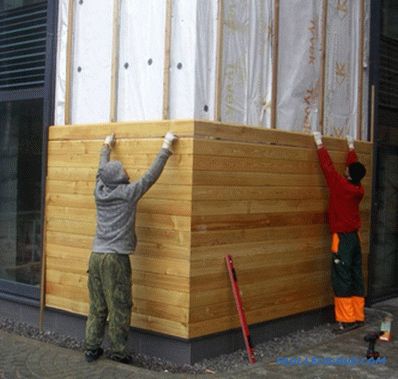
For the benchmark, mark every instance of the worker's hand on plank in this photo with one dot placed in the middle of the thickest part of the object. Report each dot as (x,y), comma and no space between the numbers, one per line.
(169,140)
(318,139)
(350,142)
(110,140)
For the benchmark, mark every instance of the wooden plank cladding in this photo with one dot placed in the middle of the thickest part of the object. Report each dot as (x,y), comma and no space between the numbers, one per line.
(257,194)
(161,263)
(260,196)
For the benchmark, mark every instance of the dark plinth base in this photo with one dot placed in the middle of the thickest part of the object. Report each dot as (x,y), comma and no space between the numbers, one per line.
(170,348)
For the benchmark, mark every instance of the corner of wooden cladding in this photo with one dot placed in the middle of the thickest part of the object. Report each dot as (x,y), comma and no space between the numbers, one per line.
(257,194)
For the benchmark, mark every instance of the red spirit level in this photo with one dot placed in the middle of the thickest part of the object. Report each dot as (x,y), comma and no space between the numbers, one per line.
(239,307)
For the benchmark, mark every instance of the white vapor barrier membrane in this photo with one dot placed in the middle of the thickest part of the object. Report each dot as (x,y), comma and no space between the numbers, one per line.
(141,60)
(182,59)
(246,62)
(205,59)
(246,59)
(59,112)
(300,42)
(341,94)
(92,61)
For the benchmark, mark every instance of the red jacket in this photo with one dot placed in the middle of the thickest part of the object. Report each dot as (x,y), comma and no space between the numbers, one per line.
(344,197)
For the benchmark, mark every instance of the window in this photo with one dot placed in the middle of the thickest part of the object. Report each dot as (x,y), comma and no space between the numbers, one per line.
(27,60)
(21,190)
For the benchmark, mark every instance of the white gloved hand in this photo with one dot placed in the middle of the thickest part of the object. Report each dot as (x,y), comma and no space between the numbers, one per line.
(110,140)
(168,140)
(317,138)
(350,142)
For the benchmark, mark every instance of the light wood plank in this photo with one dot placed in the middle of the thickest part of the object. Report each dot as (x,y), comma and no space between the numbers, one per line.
(238,133)
(141,129)
(66,252)
(169,176)
(66,278)
(165,266)
(168,282)
(123,146)
(260,234)
(77,266)
(155,249)
(262,151)
(265,314)
(138,160)
(176,298)
(162,191)
(258,220)
(161,311)
(216,207)
(157,206)
(156,324)
(264,301)
(67,304)
(257,193)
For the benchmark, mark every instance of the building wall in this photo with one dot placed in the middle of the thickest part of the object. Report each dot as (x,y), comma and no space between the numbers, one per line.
(256,194)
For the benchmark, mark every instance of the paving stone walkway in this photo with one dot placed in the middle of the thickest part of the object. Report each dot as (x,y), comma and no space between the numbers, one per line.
(21,358)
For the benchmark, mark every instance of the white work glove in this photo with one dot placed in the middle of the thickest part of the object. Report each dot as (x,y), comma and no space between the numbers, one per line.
(110,140)
(168,141)
(318,139)
(350,142)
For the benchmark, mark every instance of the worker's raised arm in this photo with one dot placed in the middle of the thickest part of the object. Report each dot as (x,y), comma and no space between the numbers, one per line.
(106,152)
(351,155)
(139,188)
(327,166)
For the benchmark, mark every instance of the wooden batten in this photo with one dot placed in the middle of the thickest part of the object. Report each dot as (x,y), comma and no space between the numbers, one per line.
(257,194)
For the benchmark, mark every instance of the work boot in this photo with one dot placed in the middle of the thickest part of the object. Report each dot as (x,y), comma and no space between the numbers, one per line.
(93,355)
(343,327)
(127,359)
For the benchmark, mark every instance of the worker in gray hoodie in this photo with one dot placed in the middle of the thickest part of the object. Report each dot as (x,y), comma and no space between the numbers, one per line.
(109,280)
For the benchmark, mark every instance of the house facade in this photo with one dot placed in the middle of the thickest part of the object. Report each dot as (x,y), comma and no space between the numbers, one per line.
(243,83)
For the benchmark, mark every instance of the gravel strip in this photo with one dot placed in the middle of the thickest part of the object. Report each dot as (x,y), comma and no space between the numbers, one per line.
(265,352)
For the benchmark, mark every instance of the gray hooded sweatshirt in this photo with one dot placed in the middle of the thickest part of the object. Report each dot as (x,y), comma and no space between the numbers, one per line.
(116,201)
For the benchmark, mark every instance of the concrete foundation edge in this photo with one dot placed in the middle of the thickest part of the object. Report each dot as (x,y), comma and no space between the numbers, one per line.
(174,349)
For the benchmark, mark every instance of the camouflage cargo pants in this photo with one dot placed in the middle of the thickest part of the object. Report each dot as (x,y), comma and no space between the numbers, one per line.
(109,285)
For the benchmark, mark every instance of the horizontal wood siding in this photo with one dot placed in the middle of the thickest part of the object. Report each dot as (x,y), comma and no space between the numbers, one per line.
(256,194)
(161,263)
(260,196)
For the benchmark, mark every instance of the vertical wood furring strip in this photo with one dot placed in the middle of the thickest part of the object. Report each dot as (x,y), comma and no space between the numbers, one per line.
(275,62)
(166,69)
(323,65)
(219,59)
(115,60)
(360,67)
(43,277)
(69,53)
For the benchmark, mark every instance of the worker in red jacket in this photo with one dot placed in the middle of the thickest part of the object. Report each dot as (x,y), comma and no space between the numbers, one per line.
(345,194)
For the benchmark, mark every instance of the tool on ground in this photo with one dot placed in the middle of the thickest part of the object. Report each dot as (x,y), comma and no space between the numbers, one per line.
(372,338)
(238,302)
(386,329)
